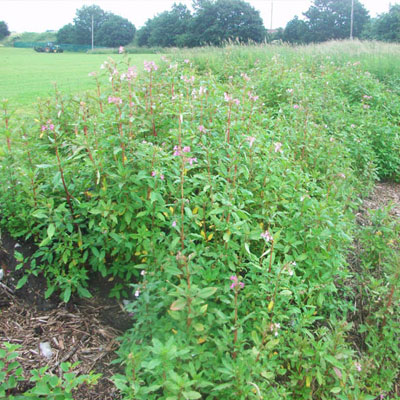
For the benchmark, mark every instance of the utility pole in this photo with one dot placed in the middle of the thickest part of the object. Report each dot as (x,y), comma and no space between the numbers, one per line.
(92,33)
(272,12)
(352,20)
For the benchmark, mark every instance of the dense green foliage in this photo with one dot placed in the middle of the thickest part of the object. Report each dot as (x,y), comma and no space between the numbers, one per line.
(327,20)
(386,27)
(44,384)
(4,32)
(220,188)
(108,29)
(213,22)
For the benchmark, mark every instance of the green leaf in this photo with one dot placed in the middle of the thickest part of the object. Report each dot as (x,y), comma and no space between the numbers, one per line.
(191,395)
(83,292)
(67,294)
(18,256)
(206,292)
(336,390)
(22,282)
(49,291)
(178,305)
(51,230)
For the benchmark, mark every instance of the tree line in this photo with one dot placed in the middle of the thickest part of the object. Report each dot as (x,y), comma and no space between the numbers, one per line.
(213,22)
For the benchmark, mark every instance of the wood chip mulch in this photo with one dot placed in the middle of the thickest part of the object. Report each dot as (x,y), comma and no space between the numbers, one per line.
(75,334)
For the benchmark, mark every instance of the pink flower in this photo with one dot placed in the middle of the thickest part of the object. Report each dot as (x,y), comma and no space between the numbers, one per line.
(236,101)
(251,97)
(192,160)
(202,129)
(177,151)
(43,128)
(227,97)
(154,173)
(290,91)
(115,100)
(173,224)
(358,366)
(150,66)
(235,282)
(186,149)
(245,76)
(162,177)
(278,146)
(132,73)
(296,106)
(51,127)
(121,49)
(267,236)
(137,293)
(251,140)
(186,61)
(343,176)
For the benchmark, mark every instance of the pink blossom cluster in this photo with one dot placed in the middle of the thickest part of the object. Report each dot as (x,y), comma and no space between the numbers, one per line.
(150,66)
(121,49)
(49,126)
(274,328)
(154,174)
(251,140)
(267,236)
(296,106)
(131,74)
(245,76)
(235,282)
(252,97)
(202,129)
(366,97)
(115,100)
(277,148)
(187,80)
(178,151)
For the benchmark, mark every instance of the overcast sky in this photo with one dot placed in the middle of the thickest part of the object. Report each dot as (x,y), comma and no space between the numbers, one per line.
(42,15)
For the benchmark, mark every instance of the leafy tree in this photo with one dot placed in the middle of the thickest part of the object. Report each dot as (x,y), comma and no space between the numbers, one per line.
(387,26)
(83,22)
(170,28)
(67,34)
(115,31)
(217,21)
(109,29)
(330,19)
(143,34)
(4,32)
(296,31)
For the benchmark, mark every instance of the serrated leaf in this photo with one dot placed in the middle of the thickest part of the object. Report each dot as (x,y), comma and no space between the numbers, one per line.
(51,229)
(336,390)
(67,294)
(191,395)
(206,292)
(178,305)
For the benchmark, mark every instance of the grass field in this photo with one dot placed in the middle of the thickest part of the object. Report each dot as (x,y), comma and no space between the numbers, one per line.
(26,75)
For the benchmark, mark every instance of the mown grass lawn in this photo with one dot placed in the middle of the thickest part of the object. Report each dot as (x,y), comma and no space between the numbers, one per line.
(26,75)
